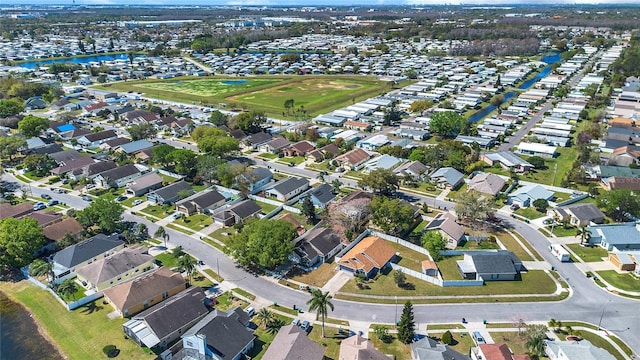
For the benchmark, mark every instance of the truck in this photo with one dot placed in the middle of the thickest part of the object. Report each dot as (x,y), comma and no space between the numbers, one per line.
(559,252)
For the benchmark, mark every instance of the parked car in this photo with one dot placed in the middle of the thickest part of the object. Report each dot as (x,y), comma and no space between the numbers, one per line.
(295,322)
(250,311)
(87,198)
(121,198)
(305,325)
(177,215)
(90,186)
(137,202)
(39,206)
(515,207)
(53,202)
(46,196)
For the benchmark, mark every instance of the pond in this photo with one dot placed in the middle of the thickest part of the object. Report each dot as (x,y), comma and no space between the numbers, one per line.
(76,60)
(234,82)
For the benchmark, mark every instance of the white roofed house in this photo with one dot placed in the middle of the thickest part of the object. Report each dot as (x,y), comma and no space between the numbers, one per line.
(288,188)
(533,149)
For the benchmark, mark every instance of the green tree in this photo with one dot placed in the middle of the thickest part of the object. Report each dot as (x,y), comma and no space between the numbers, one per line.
(264,316)
(447,124)
(218,119)
(19,241)
(535,336)
(406,326)
(67,289)
(497,100)
(142,131)
(399,278)
(274,326)
(220,146)
(10,107)
(308,209)
(537,162)
(320,303)
(419,106)
(103,212)
(250,122)
(391,115)
(161,154)
(40,267)
(187,264)
(39,164)
(380,181)
(185,162)
(392,216)
(289,104)
(382,333)
(541,205)
(161,233)
(10,145)
(447,338)
(474,206)
(31,125)
(434,242)
(263,242)
(584,234)
(619,204)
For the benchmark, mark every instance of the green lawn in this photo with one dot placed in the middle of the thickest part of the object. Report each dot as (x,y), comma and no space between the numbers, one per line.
(448,267)
(214,275)
(462,342)
(553,175)
(198,188)
(561,231)
(512,245)
(167,260)
(195,222)
(292,160)
(82,333)
(244,293)
(223,234)
(159,211)
(30,175)
(129,201)
(201,281)
(621,281)
(410,259)
(515,341)
(266,208)
(227,301)
(600,342)
(396,348)
(587,253)
(166,179)
(268,156)
(530,213)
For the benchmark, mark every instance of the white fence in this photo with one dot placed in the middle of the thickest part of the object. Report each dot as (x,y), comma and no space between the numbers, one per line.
(402,242)
(169,173)
(85,300)
(418,275)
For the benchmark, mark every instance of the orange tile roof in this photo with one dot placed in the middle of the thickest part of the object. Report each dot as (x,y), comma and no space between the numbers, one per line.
(496,351)
(371,252)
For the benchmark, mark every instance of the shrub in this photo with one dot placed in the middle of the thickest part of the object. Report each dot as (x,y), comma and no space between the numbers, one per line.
(53,180)
(110,351)
(447,338)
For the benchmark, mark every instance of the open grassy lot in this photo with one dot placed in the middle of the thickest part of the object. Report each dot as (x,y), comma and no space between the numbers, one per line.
(515,341)
(410,259)
(315,278)
(600,342)
(82,333)
(530,213)
(587,253)
(315,94)
(195,222)
(621,281)
(561,231)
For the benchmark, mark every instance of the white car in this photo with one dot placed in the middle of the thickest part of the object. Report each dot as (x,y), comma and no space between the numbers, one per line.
(137,202)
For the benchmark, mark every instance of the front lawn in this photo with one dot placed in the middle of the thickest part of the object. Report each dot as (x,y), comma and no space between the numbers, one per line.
(512,245)
(227,301)
(316,278)
(268,156)
(396,348)
(296,160)
(410,259)
(223,234)
(462,342)
(159,211)
(81,333)
(129,201)
(561,231)
(195,222)
(167,260)
(201,281)
(515,341)
(621,281)
(588,253)
(530,213)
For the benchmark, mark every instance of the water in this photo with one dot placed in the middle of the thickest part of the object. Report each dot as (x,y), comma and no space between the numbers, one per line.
(234,82)
(77,60)
(488,109)
(19,334)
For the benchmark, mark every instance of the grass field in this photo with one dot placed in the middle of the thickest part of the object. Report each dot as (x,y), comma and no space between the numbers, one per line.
(315,94)
(621,281)
(588,254)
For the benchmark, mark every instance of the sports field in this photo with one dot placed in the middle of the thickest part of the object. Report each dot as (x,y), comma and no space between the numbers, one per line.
(316,95)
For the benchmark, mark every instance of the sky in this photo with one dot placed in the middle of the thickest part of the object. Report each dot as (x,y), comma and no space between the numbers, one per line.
(315,2)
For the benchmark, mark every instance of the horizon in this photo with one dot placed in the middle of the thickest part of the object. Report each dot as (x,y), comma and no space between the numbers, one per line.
(324,3)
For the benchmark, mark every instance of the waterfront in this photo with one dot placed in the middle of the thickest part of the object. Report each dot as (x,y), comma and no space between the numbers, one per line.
(32,64)
(19,336)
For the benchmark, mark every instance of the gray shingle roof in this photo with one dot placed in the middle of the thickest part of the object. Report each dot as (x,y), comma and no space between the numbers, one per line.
(584,211)
(136,146)
(429,349)
(111,266)
(172,190)
(289,184)
(494,263)
(323,193)
(245,208)
(225,333)
(120,172)
(450,175)
(292,343)
(85,250)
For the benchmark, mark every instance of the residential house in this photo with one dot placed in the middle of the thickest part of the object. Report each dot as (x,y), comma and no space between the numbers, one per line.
(292,343)
(536,149)
(300,148)
(615,237)
(374,143)
(414,169)
(275,145)
(490,265)
(328,151)
(288,217)
(114,143)
(163,323)
(255,179)
(201,203)
(318,245)
(181,126)
(429,349)
(495,352)
(357,125)
(34,143)
(578,214)
(575,350)
(447,177)
(144,184)
(354,159)
(625,156)
(615,182)
(57,231)
(134,146)
(526,195)
(170,194)
(47,149)
(322,195)
(144,291)
(66,155)
(117,177)
(45,218)
(256,140)
(288,188)
(139,117)
(72,165)
(446,225)
(219,335)
(94,140)
(385,161)
(358,348)
(15,211)
(92,170)
(67,260)
(237,213)
(115,268)
(487,183)
(367,257)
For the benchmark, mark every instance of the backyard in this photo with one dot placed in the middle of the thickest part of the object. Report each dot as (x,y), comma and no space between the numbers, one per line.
(409,258)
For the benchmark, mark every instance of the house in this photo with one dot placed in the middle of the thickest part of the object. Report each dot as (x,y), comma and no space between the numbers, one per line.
(367,257)
(429,349)
(256,140)
(134,146)
(45,218)
(357,125)
(66,155)
(72,165)
(117,177)
(575,350)
(255,179)
(490,265)
(536,149)
(288,217)
(57,231)
(526,195)
(67,260)
(139,117)
(446,225)
(201,203)
(625,156)
(161,324)
(300,148)
(237,213)
(275,145)
(114,143)
(181,126)
(292,343)
(495,352)
(94,140)
(322,195)
(413,169)
(358,348)
(92,170)
(487,183)
(447,177)
(219,335)
(144,291)
(615,237)
(616,182)
(317,245)
(374,143)
(288,188)
(115,268)
(170,194)
(15,211)
(328,151)
(578,214)
(144,184)
(354,159)
(385,161)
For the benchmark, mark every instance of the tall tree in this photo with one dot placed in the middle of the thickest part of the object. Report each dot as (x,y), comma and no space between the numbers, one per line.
(381,181)
(10,107)
(187,264)
(473,206)
(218,119)
(406,326)
(104,212)
(19,240)
(308,209)
(584,234)
(264,242)
(142,131)
(447,124)
(264,316)
(392,216)
(31,125)
(619,204)
(320,303)
(535,336)
(391,115)
(434,242)
(162,233)
(67,288)
(250,122)
(40,267)
(10,145)
(185,162)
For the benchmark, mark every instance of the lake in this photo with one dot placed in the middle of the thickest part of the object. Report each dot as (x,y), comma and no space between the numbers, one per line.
(76,60)
(19,334)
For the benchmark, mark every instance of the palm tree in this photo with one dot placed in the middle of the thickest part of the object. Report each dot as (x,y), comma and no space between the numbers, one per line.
(336,184)
(274,326)
(188,264)
(142,231)
(320,177)
(40,268)
(67,288)
(319,303)
(264,317)
(161,233)
(584,234)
